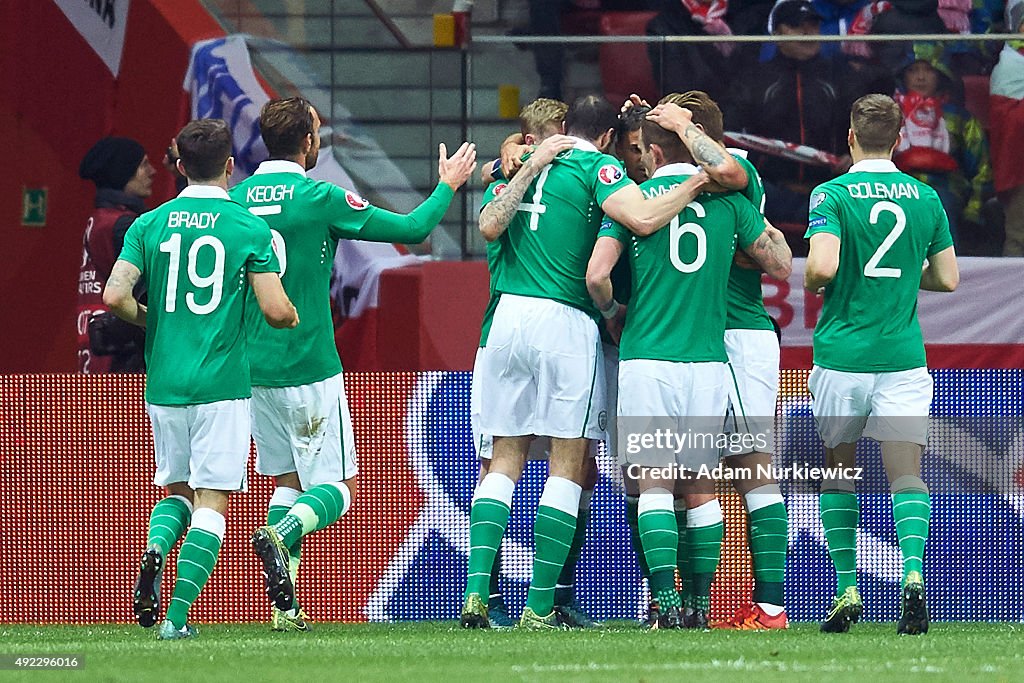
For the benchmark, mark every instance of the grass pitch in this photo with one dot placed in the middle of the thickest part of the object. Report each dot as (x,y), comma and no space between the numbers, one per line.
(424,652)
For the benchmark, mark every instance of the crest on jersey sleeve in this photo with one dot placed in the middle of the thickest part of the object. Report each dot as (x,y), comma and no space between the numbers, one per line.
(816,199)
(609,174)
(355,201)
(498,189)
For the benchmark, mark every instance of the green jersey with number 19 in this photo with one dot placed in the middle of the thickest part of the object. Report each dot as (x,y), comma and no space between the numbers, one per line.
(194,253)
(677,310)
(888,223)
(307,218)
(745,309)
(545,250)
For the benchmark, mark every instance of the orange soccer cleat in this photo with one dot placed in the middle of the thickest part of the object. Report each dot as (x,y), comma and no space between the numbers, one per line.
(753,618)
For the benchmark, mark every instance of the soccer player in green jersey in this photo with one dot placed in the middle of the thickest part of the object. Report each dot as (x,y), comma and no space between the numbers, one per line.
(672,355)
(300,415)
(753,350)
(540,366)
(870,231)
(199,255)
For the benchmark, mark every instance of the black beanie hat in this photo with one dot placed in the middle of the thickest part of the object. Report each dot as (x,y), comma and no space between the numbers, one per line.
(112,162)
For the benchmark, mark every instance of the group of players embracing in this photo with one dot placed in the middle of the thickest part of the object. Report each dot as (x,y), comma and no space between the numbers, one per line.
(626,299)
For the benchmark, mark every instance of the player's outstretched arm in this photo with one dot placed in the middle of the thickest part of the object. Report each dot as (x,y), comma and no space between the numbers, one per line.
(117,294)
(496,216)
(707,152)
(772,253)
(276,306)
(606,254)
(822,261)
(941,273)
(416,226)
(627,205)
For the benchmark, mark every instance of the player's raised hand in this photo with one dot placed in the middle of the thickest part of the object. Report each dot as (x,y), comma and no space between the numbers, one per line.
(552,147)
(671,116)
(634,100)
(454,171)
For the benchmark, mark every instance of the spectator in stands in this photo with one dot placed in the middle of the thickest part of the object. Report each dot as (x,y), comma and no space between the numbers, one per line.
(680,67)
(124,178)
(941,143)
(798,96)
(903,18)
(1006,119)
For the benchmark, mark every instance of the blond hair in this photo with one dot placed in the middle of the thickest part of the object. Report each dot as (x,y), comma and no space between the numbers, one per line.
(541,115)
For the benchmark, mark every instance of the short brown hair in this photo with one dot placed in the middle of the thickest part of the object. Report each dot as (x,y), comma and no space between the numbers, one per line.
(705,110)
(285,124)
(204,146)
(653,134)
(539,116)
(876,121)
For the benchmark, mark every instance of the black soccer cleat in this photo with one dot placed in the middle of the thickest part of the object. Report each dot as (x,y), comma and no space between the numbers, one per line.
(913,613)
(695,618)
(670,617)
(274,556)
(146,596)
(846,610)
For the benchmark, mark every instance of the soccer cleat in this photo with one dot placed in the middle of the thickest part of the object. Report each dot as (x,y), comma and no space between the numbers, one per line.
(531,620)
(274,555)
(670,617)
(695,618)
(474,613)
(571,616)
(653,612)
(753,618)
(282,621)
(497,615)
(146,596)
(168,632)
(913,612)
(846,609)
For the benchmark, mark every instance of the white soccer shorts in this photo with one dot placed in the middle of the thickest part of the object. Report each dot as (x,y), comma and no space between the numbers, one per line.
(694,395)
(754,384)
(206,445)
(884,406)
(305,429)
(541,372)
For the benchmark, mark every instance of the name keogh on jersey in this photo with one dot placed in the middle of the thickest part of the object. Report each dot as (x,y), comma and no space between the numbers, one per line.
(261,194)
(883,191)
(197,221)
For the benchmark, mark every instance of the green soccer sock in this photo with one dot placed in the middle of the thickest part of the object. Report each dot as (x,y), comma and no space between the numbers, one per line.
(660,537)
(315,509)
(840,515)
(704,531)
(280,503)
(488,518)
(565,589)
(683,554)
(553,531)
(769,541)
(634,534)
(167,522)
(911,508)
(196,559)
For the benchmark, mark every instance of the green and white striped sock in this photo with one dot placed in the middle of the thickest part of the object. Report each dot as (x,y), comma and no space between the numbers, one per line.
(840,516)
(167,522)
(660,537)
(196,559)
(488,517)
(315,509)
(553,531)
(911,509)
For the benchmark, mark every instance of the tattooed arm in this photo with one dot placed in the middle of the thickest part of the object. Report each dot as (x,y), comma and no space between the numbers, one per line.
(496,216)
(117,295)
(707,153)
(772,253)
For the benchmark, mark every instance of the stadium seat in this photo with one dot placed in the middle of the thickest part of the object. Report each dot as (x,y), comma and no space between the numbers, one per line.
(976,93)
(625,67)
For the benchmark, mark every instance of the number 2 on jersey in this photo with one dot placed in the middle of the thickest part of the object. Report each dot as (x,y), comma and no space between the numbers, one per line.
(213,281)
(871,268)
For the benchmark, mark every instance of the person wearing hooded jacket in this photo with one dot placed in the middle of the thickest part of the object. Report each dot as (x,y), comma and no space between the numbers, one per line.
(1006,118)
